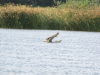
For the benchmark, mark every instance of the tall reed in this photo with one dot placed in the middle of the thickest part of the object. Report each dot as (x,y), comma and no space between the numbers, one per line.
(26,17)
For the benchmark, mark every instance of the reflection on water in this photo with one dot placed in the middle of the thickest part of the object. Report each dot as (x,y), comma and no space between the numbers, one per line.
(22,52)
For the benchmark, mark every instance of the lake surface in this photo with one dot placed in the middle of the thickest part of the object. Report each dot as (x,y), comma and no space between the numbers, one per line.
(22,52)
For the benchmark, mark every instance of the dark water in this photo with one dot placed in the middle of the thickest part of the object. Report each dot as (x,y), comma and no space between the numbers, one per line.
(22,52)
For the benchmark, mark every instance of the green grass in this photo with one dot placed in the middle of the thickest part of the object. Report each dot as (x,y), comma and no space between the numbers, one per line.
(60,18)
(80,4)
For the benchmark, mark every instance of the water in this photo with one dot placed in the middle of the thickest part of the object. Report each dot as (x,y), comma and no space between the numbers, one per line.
(22,52)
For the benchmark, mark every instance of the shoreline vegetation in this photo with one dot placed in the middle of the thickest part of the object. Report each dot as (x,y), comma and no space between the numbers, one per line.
(63,17)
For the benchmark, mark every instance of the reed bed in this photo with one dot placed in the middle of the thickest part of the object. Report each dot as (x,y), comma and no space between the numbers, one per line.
(27,17)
